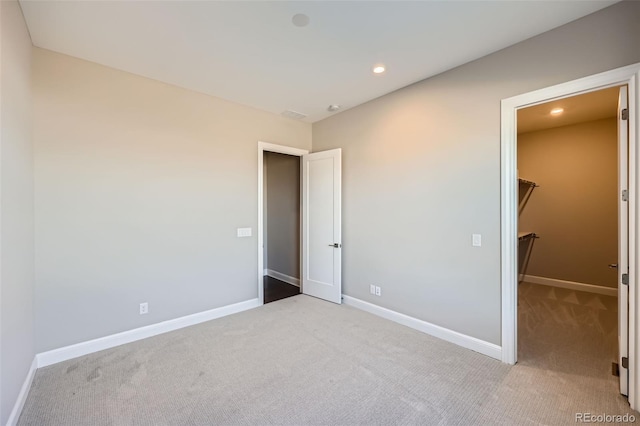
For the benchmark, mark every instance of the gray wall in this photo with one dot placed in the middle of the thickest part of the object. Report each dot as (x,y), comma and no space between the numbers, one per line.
(575,208)
(283,213)
(421,172)
(140,187)
(16,208)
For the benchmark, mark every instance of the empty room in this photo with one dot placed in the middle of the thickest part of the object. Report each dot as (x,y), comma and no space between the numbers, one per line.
(318,212)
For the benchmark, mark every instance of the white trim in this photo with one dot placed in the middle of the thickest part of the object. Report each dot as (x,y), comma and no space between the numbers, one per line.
(623,237)
(634,238)
(281,149)
(508,213)
(22,396)
(571,285)
(265,272)
(73,351)
(283,277)
(509,232)
(468,342)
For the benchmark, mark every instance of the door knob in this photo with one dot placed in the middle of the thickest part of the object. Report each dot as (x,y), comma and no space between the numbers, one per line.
(613,266)
(335,245)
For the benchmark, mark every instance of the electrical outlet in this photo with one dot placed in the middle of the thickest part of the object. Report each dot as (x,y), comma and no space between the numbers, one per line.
(378,291)
(372,289)
(144,308)
(476,240)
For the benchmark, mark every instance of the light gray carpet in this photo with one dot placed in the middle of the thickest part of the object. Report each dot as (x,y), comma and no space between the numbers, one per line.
(304,361)
(568,331)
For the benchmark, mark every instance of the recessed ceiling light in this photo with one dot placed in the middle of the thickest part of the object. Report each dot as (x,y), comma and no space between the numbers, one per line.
(300,20)
(333,108)
(557,111)
(379,69)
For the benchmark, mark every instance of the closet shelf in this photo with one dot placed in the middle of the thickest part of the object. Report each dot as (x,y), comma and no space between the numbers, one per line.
(528,182)
(526,235)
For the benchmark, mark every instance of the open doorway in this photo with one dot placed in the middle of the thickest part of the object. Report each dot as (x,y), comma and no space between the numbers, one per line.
(568,235)
(281,227)
(628,279)
(320,213)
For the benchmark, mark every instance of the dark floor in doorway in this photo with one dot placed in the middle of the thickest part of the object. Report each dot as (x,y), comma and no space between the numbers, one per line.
(275,290)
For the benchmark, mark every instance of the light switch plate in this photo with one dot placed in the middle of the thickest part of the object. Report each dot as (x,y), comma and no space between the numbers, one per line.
(244,232)
(476,240)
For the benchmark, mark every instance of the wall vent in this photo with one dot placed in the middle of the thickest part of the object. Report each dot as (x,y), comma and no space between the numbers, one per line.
(294,115)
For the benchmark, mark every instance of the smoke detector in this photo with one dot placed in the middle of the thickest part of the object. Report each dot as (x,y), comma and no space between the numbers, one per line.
(333,108)
(300,20)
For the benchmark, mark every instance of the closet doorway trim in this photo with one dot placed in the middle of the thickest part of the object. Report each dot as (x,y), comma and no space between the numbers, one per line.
(629,75)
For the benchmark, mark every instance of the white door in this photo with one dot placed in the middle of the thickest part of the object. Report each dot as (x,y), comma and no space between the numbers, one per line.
(321,225)
(623,244)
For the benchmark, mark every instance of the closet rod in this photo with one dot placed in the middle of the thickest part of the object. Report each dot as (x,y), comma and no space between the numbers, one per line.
(526,235)
(528,182)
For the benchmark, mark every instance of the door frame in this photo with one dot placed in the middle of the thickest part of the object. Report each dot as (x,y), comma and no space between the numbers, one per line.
(629,75)
(279,149)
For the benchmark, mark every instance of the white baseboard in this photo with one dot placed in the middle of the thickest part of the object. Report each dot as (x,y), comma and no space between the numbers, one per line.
(73,351)
(282,277)
(485,348)
(265,272)
(22,396)
(571,285)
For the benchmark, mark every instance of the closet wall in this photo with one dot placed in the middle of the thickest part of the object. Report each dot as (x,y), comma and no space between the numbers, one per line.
(282,226)
(574,210)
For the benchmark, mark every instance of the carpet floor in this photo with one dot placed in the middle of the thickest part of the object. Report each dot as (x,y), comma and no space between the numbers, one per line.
(568,331)
(302,361)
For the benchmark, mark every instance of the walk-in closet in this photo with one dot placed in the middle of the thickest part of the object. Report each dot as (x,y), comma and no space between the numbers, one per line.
(568,236)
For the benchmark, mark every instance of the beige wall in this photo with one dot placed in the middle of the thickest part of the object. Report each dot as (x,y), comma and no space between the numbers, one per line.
(421,172)
(16,207)
(283,214)
(575,209)
(140,187)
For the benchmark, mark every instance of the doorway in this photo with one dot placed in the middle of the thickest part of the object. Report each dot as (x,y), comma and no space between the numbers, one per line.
(320,243)
(629,76)
(281,236)
(568,248)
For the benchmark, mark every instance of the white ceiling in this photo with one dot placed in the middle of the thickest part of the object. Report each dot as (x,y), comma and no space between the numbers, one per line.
(251,53)
(577,109)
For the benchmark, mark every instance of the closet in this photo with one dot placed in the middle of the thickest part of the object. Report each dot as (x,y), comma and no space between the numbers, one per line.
(281,227)
(523,196)
(568,235)
(568,191)
(525,237)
